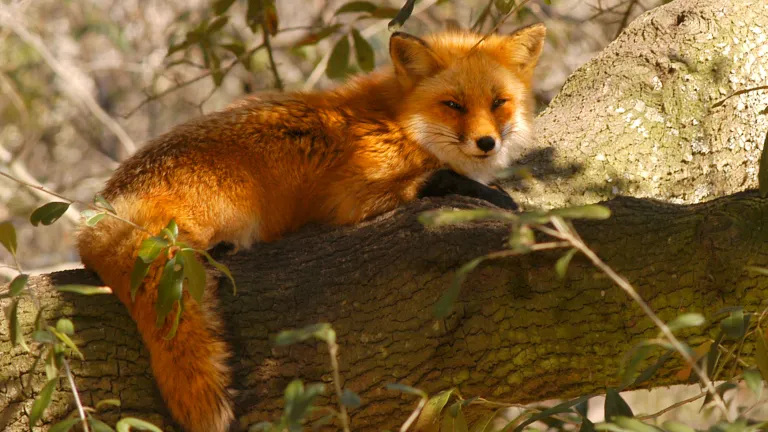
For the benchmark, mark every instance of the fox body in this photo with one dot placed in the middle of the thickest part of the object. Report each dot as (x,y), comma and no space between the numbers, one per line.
(265,166)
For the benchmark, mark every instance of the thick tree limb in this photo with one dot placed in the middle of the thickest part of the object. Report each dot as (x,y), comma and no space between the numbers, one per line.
(519,334)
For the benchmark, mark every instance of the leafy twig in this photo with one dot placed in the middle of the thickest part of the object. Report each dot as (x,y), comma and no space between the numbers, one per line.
(79,404)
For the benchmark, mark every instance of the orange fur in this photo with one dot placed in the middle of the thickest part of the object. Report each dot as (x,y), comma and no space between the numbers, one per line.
(267,165)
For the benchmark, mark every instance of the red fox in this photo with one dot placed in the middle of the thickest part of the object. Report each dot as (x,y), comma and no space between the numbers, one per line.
(266,166)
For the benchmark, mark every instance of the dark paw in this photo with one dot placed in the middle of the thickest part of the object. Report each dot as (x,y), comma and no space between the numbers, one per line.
(501,199)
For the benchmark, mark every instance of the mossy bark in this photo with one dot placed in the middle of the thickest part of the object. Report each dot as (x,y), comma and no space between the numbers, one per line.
(518,334)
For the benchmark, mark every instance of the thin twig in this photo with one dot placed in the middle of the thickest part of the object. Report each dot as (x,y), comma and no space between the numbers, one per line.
(674,406)
(625,18)
(270,54)
(577,243)
(739,92)
(333,348)
(79,404)
(10,20)
(414,415)
(224,71)
(498,24)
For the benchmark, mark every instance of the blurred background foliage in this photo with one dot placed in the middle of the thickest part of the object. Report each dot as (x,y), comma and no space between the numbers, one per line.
(150,64)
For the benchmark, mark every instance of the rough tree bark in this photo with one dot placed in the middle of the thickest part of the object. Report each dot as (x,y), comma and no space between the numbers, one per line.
(519,334)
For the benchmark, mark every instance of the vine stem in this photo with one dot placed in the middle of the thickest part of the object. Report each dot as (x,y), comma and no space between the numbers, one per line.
(565,233)
(333,348)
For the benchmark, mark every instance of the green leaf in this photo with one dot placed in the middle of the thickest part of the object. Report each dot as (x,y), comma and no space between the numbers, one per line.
(615,405)
(686,320)
(220,267)
(444,305)
(168,290)
(171,230)
(483,423)
(84,289)
(450,217)
(453,420)
(339,59)
(586,425)
(17,336)
(316,37)
(407,389)
(636,355)
(65,326)
(560,408)
(98,425)
(720,390)
(48,213)
(363,52)
(432,409)
(713,356)
(561,266)
(219,7)
(254,13)
(41,402)
(673,426)
(67,341)
(402,16)
(350,399)
(44,336)
(8,237)
(17,284)
(151,247)
(649,372)
(734,326)
(321,331)
(356,6)
(217,24)
(634,425)
(590,211)
(64,425)
(106,403)
(761,352)
(298,400)
(236,48)
(92,217)
(99,200)
(130,423)
(762,173)
(194,273)
(176,320)
(754,381)
(139,272)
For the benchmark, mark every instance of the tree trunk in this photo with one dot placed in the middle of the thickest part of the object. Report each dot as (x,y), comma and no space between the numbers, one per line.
(518,334)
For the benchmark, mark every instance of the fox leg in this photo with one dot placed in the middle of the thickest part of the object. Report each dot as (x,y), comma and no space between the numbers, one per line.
(446,182)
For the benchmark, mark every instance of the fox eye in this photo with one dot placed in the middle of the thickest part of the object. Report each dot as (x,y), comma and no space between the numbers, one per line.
(497,103)
(453,105)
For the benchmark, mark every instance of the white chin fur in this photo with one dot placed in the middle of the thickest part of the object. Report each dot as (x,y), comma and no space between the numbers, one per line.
(514,136)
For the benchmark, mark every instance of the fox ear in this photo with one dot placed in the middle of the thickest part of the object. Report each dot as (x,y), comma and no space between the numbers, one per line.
(523,48)
(412,58)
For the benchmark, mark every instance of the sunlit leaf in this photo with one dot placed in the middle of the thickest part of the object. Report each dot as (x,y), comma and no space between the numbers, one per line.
(561,266)
(483,424)
(64,325)
(590,211)
(106,403)
(444,305)
(48,213)
(338,62)
(41,402)
(92,217)
(686,320)
(673,426)
(449,217)
(101,201)
(67,341)
(84,289)
(17,336)
(363,52)
(453,420)
(754,382)
(98,425)
(560,408)
(169,289)
(407,389)
(634,425)
(44,336)
(219,7)
(8,237)
(64,425)
(17,284)
(403,15)
(650,371)
(194,273)
(734,326)
(430,414)
(130,423)
(151,247)
(321,331)
(217,24)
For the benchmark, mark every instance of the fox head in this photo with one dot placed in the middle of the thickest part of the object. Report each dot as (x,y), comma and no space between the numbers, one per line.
(468,102)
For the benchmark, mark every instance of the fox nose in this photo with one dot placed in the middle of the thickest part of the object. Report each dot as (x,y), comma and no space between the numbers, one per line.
(486,143)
